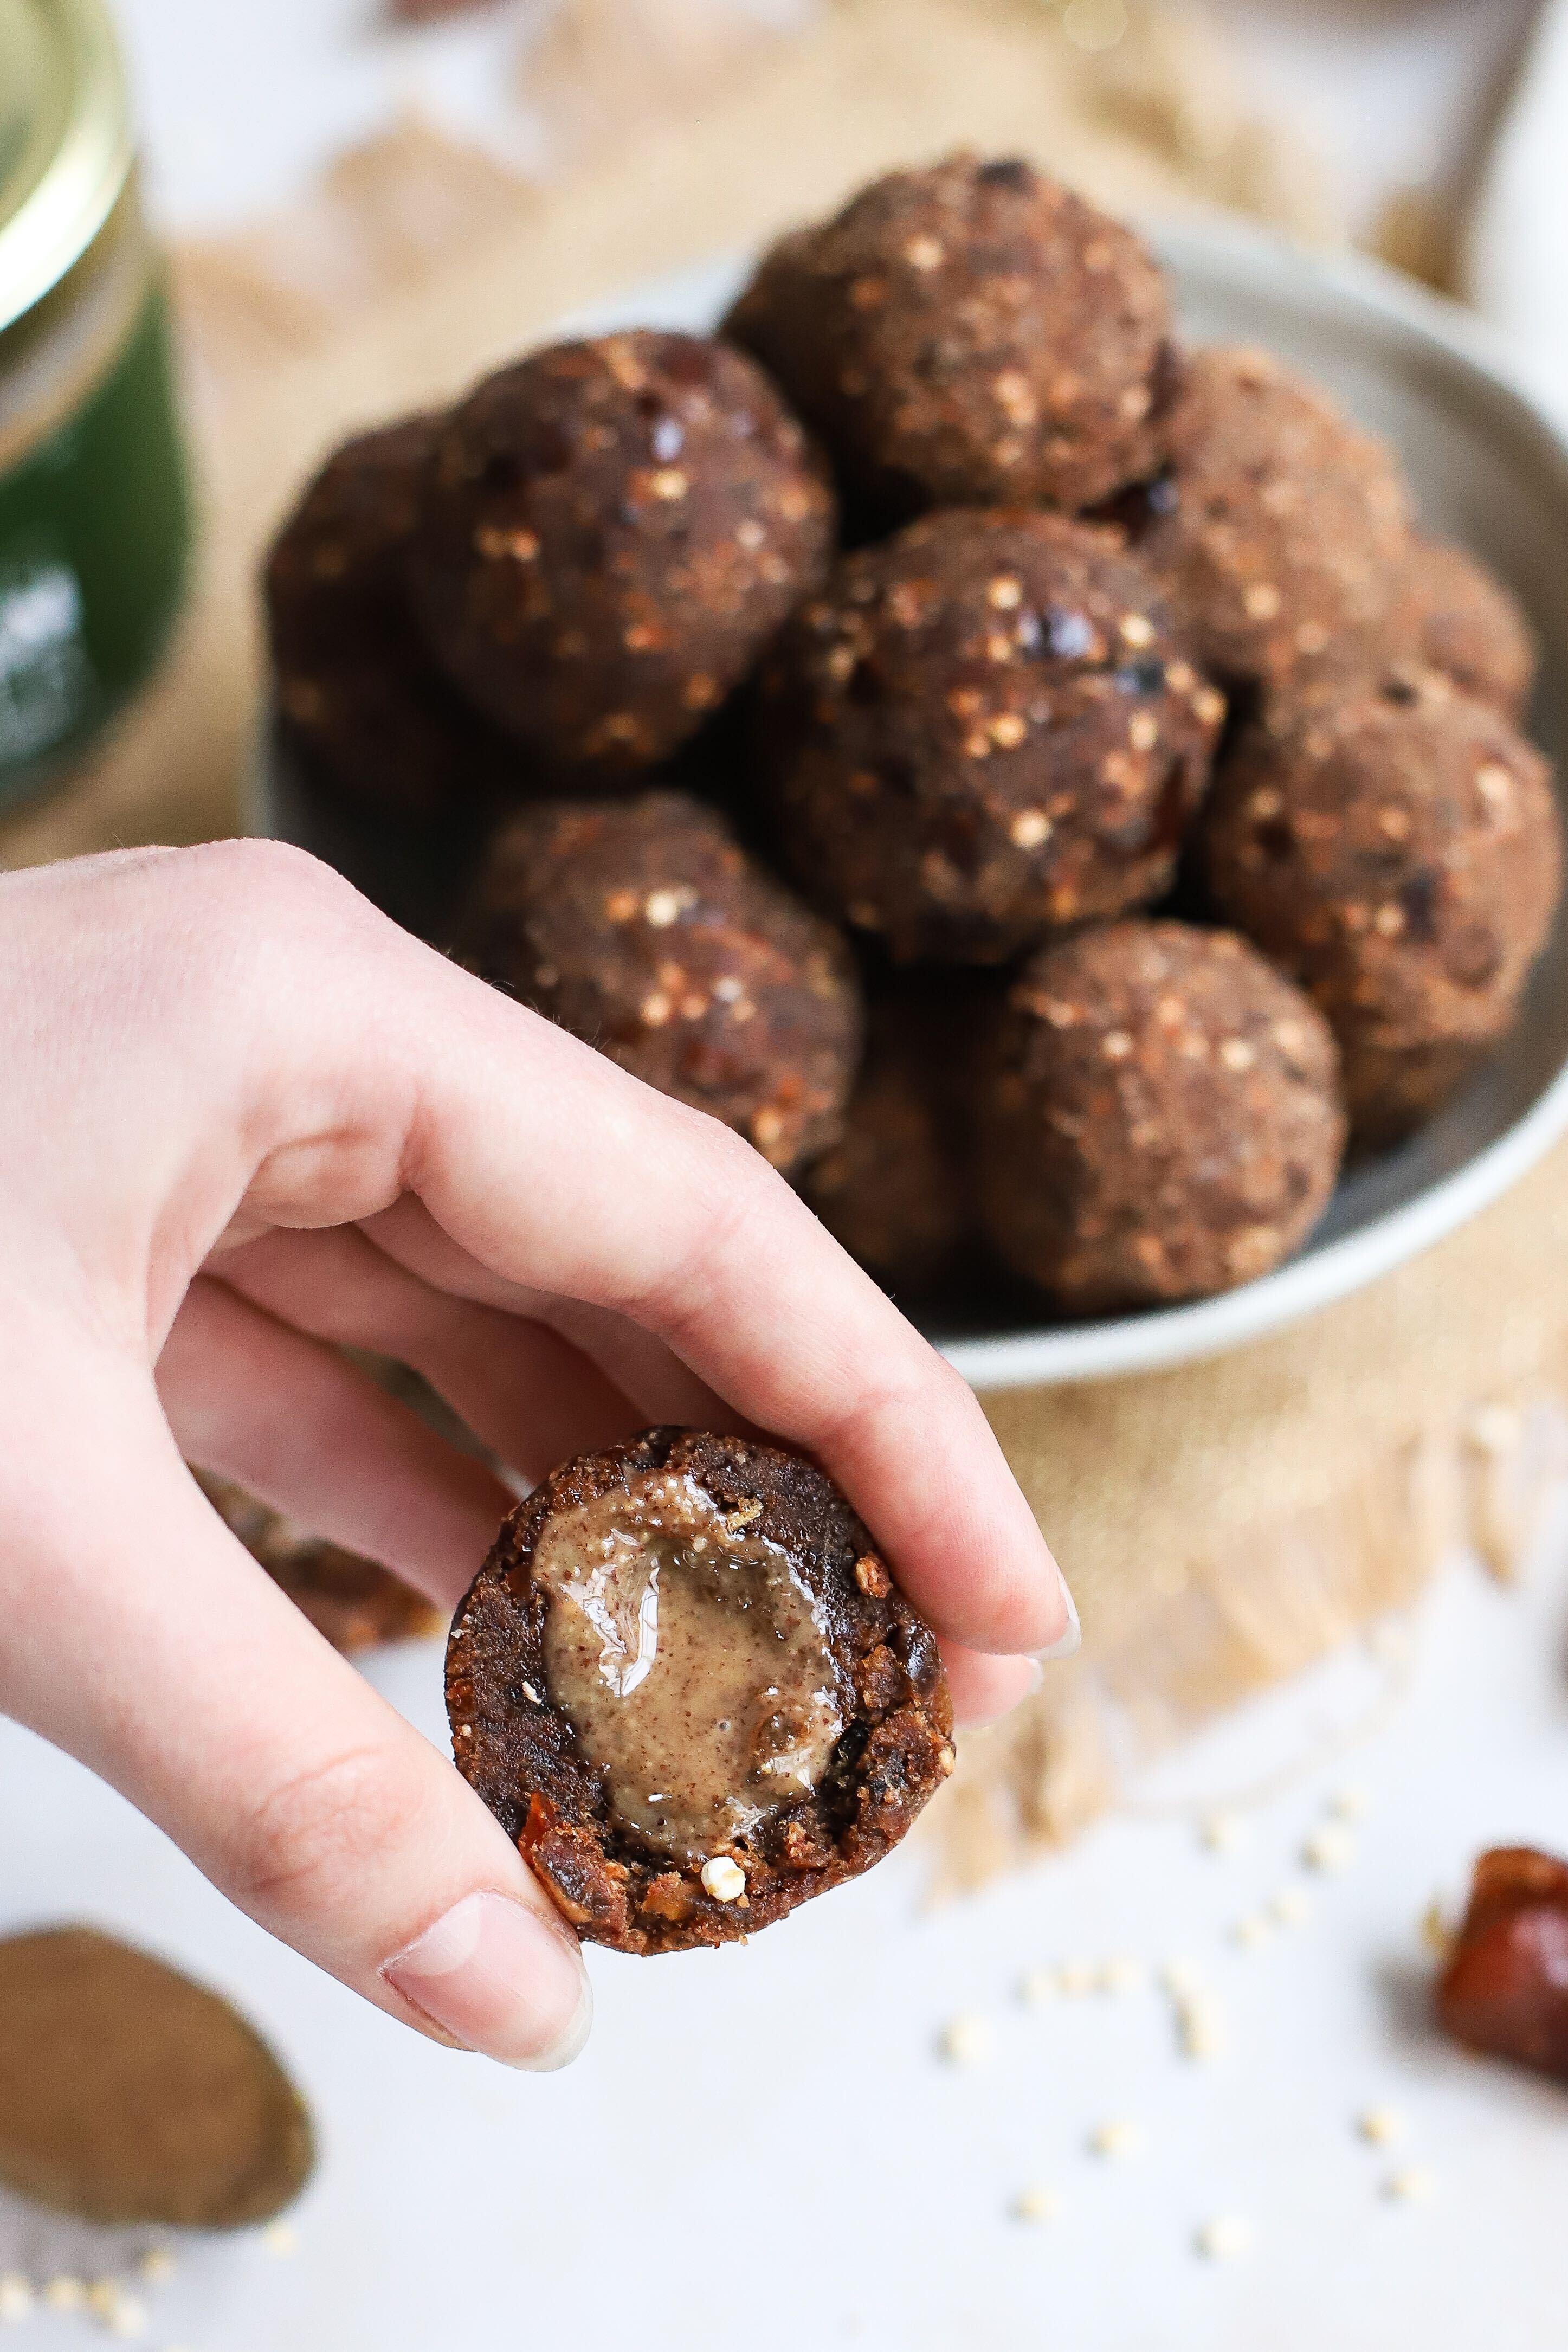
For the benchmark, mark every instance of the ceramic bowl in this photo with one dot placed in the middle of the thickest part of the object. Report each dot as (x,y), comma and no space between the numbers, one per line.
(1489,469)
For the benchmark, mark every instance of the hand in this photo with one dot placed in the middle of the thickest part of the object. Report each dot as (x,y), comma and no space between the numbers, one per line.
(246,1121)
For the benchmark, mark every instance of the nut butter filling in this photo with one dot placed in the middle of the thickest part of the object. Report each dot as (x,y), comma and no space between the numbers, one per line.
(692,1661)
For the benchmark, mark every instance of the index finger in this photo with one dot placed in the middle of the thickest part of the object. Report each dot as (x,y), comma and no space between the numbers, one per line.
(553,1169)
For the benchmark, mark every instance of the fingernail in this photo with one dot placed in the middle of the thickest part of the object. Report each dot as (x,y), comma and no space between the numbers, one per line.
(1070,1641)
(500,1980)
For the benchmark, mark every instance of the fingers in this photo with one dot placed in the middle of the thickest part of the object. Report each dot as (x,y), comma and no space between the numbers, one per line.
(307,1433)
(526,1391)
(683,1229)
(296,1060)
(641,1367)
(140,1636)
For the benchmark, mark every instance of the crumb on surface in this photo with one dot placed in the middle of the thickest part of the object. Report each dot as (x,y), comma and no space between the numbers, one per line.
(1224,2238)
(1037,2204)
(967,2039)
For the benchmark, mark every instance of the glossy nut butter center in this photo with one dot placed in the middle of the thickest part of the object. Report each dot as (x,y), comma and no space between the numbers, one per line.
(691,1659)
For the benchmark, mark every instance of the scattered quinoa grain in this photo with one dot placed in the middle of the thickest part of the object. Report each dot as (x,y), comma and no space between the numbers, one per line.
(967,2039)
(1225,2238)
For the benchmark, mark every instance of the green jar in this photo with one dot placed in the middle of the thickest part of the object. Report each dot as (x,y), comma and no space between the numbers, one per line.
(94,511)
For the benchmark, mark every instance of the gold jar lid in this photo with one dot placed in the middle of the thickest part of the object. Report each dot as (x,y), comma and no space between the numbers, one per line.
(65,142)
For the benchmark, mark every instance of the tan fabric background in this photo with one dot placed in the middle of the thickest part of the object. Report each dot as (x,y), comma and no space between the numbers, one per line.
(1222,1525)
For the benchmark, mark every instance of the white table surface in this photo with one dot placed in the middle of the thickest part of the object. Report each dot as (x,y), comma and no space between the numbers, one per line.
(764,2145)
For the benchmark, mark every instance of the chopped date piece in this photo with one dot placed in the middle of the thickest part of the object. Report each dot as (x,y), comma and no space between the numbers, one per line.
(1504,1989)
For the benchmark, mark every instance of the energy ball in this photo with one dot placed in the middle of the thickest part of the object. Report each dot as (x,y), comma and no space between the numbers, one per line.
(894,1189)
(1282,534)
(1397,846)
(687,1684)
(970,334)
(1159,1118)
(1455,615)
(643,927)
(357,693)
(353,1603)
(610,533)
(982,730)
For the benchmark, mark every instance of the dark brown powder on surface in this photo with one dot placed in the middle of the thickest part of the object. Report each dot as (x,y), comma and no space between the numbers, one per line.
(130,2094)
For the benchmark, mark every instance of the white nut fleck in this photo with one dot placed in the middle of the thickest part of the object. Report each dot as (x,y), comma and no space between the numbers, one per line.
(1380,2125)
(662,907)
(1122,1976)
(1291,1906)
(1349,1804)
(65,2292)
(1223,1834)
(1416,2185)
(723,1879)
(1119,2140)
(1039,1986)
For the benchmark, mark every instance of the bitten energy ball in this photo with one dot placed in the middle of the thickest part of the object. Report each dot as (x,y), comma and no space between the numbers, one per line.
(687,1684)
(1159,1118)
(971,334)
(643,926)
(894,1189)
(1282,533)
(610,533)
(355,687)
(983,729)
(1455,615)
(1397,848)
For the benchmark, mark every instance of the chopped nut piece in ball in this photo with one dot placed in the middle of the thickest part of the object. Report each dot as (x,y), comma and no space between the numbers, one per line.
(610,532)
(643,926)
(970,334)
(1399,850)
(982,730)
(360,699)
(671,1674)
(1159,1118)
(1504,1989)
(1281,534)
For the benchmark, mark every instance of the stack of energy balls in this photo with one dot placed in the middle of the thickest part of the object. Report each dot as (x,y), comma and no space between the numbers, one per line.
(1029,779)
